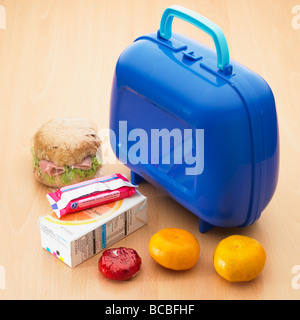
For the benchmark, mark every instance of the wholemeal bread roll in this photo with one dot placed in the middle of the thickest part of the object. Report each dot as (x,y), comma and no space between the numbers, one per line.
(66,151)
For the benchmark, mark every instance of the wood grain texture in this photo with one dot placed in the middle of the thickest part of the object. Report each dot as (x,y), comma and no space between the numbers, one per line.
(57,58)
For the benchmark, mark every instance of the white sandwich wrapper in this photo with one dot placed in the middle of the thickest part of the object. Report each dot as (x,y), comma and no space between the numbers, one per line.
(93,230)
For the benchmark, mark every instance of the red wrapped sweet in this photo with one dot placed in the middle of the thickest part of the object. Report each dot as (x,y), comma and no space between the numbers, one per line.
(120,263)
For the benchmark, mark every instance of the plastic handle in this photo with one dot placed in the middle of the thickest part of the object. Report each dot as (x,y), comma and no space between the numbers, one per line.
(201,22)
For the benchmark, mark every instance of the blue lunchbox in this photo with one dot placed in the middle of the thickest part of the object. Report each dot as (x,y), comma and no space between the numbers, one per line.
(200,127)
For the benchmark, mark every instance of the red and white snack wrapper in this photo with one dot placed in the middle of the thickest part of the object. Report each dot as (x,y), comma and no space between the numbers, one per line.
(91,193)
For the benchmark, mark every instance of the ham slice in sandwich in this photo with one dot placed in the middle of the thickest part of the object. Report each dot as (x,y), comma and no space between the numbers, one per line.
(51,169)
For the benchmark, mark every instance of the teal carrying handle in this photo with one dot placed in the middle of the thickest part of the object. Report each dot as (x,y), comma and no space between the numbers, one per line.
(201,22)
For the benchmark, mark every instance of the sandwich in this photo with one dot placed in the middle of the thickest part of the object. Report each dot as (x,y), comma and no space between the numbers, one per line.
(66,151)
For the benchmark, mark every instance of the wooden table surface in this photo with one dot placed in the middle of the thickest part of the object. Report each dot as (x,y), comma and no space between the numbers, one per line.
(57,58)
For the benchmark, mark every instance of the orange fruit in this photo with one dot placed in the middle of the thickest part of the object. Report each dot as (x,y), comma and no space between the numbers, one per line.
(86,216)
(174,248)
(239,258)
